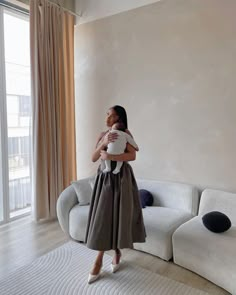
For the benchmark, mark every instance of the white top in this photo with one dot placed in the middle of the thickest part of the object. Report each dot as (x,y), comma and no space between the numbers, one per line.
(118,146)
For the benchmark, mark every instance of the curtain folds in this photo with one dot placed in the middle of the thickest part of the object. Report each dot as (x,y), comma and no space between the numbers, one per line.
(52,77)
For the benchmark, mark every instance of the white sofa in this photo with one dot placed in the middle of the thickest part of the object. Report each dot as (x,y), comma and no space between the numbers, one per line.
(71,215)
(211,255)
(174,204)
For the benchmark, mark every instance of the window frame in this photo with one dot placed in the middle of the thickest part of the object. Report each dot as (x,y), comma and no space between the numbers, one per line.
(4,176)
(4,165)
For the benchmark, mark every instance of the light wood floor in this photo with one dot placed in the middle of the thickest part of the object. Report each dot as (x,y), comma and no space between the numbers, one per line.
(23,240)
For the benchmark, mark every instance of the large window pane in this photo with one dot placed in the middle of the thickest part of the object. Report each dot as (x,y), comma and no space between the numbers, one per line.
(17,64)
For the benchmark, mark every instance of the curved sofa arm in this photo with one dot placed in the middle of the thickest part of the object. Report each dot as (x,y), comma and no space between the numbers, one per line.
(83,189)
(66,201)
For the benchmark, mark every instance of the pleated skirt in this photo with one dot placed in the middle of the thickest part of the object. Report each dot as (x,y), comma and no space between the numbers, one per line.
(115,215)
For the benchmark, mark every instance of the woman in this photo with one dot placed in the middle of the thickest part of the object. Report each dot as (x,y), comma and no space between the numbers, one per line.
(115,217)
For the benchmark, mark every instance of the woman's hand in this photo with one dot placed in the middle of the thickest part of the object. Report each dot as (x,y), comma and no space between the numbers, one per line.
(109,137)
(130,155)
(102,143)
(104,155)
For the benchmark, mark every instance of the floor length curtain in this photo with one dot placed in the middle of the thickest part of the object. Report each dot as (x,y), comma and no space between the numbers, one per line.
(52,74)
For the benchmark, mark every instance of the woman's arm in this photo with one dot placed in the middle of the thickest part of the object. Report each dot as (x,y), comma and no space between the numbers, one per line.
(129,155)
(131,141)
(106,138)
(96,153)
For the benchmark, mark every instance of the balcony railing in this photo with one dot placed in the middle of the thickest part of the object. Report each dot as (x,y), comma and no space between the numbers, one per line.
(20,193)
(20,187)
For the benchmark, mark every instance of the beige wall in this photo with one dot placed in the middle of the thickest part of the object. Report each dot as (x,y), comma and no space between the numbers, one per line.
(172,64)
(95,9)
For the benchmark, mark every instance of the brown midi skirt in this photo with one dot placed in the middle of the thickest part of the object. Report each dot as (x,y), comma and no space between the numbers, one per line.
(115,216)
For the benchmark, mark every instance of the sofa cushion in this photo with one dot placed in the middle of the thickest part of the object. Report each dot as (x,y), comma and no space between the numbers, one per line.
(160,223)
(216,200)
(216,221)
(210,255)
(172,195)
(83,189)
(146,198)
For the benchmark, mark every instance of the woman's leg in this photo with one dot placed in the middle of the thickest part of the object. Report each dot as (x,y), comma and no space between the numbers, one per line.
(116,258)
(115,265)
(98,263)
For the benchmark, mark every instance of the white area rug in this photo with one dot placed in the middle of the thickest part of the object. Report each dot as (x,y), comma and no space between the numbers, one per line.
(64,271)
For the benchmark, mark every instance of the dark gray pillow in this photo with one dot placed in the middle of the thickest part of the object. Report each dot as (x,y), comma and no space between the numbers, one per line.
(216,221)
(146,198)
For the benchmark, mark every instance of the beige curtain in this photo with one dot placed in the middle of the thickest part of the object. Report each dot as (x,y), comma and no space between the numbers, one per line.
(52,73)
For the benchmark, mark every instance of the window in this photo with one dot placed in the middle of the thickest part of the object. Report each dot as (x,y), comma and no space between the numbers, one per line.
(24,106)
(15,121)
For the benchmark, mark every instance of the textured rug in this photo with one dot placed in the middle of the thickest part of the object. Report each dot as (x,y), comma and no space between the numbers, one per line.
(64,271)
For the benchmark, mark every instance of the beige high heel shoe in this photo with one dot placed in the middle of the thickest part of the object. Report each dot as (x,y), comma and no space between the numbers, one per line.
(93,278)
(115,267)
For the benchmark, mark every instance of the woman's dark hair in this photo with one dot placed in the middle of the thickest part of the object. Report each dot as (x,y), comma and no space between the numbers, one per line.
(121,113)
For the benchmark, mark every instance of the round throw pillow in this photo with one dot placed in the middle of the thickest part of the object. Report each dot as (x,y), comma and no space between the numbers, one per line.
(146,198)
(216,222)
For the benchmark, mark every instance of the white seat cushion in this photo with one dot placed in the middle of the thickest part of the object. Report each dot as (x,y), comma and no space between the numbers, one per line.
(215,200)
(209,254)
(78,219)
(160,223)
(172,195)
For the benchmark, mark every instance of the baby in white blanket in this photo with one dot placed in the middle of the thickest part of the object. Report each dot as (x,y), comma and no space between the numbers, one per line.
(118,146)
